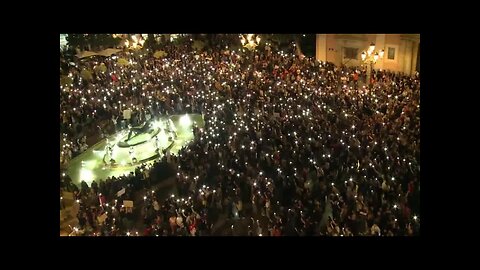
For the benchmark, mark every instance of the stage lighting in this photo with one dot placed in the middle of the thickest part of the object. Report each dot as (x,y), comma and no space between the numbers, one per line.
(185,121)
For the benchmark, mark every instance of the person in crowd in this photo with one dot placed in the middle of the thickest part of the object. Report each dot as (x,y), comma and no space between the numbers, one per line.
(301,147)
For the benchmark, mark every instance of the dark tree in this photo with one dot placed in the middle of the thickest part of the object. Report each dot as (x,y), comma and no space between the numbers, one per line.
(151,43)
(93,42)
(286,40)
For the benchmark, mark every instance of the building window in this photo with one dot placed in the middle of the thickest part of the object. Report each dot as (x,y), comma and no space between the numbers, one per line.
(351,53)
(391,53)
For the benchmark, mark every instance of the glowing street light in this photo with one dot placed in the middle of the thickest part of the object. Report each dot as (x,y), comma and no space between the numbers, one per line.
(185,121)
(134,41)
(250,41)
(370,57)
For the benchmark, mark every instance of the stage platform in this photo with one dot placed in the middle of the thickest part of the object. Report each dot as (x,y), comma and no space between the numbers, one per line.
(95,163)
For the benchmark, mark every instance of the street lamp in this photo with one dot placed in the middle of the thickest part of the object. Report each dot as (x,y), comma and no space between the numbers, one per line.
(250,41)
(132,41)
(138,42)
(370,57)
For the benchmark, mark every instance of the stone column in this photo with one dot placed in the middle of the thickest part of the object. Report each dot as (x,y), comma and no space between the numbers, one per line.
(414,57)
(401,55)
(407,66)
(321,47)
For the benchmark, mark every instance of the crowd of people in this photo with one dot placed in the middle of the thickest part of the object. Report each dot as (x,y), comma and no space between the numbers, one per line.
(293,145)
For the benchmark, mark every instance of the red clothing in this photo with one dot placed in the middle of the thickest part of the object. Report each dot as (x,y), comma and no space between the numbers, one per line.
(191,227)
(102,200)
(410,187)
(276,232)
